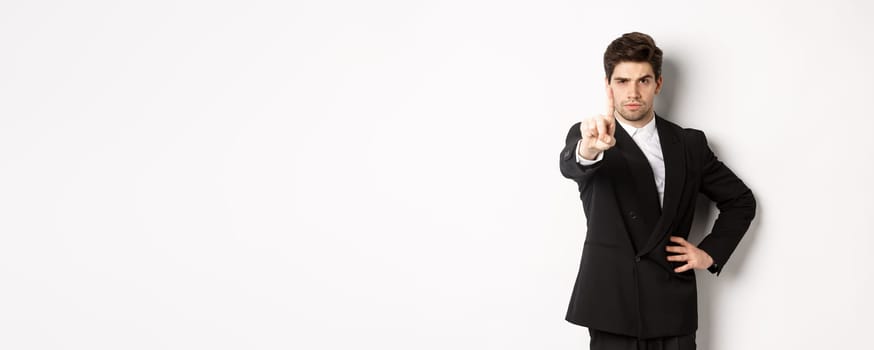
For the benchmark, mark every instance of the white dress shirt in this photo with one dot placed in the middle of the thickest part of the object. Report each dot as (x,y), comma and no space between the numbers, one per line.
(647,139)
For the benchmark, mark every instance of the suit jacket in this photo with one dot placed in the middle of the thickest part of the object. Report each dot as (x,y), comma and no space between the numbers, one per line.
(625,284)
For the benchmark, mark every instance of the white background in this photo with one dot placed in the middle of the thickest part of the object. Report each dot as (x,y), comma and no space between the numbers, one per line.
(384,175)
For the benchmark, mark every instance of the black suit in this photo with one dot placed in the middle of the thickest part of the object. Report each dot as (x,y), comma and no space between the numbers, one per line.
(625,284)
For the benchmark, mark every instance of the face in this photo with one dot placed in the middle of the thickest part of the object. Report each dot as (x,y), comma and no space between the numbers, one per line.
(634,89)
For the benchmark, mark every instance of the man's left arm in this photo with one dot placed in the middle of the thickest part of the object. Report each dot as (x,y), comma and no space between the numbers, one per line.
(736,204)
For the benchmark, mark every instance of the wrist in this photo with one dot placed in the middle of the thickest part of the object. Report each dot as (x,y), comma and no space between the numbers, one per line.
(712,266)
(588,154)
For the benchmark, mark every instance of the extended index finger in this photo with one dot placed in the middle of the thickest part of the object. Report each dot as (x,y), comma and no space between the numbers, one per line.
(611,124)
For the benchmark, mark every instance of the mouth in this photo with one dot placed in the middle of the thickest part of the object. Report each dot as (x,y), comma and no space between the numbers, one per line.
(633,106)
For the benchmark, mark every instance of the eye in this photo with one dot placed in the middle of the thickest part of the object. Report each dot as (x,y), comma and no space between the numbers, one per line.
(644,81)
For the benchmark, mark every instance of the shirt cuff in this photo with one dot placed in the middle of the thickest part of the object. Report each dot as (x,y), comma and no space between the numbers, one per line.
(585,162)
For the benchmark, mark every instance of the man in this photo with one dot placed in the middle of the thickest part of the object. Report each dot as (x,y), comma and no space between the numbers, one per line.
(638,182)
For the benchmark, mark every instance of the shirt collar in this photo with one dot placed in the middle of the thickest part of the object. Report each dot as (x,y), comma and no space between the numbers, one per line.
(646,130)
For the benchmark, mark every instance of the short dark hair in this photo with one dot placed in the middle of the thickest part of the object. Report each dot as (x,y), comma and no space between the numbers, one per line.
(633,47)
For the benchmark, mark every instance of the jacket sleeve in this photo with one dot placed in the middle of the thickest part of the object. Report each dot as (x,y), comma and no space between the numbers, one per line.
(568,159)
(735,202)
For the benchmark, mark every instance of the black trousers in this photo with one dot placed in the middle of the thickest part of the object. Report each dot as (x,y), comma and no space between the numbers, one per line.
(609,341)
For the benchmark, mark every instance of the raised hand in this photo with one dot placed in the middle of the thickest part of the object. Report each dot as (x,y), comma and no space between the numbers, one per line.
(598,131)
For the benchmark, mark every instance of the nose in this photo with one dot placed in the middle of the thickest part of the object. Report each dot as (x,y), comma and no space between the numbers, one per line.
(634,92)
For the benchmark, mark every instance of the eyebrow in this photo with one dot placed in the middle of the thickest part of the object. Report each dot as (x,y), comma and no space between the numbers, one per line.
(643,77)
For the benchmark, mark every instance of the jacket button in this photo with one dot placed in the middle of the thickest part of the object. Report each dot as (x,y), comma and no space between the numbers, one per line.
(636,259)
(633,215)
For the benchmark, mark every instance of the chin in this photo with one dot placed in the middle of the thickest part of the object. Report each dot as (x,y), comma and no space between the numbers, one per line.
(635,117)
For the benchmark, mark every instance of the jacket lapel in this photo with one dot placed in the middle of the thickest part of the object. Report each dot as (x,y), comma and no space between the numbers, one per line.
(638,199)
(673,151)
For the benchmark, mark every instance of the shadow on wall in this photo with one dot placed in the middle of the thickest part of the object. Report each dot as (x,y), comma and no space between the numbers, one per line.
(671,88)
(705,213)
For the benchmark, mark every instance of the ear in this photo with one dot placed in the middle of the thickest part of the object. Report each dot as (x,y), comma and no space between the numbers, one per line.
(606,82)
(658,85)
